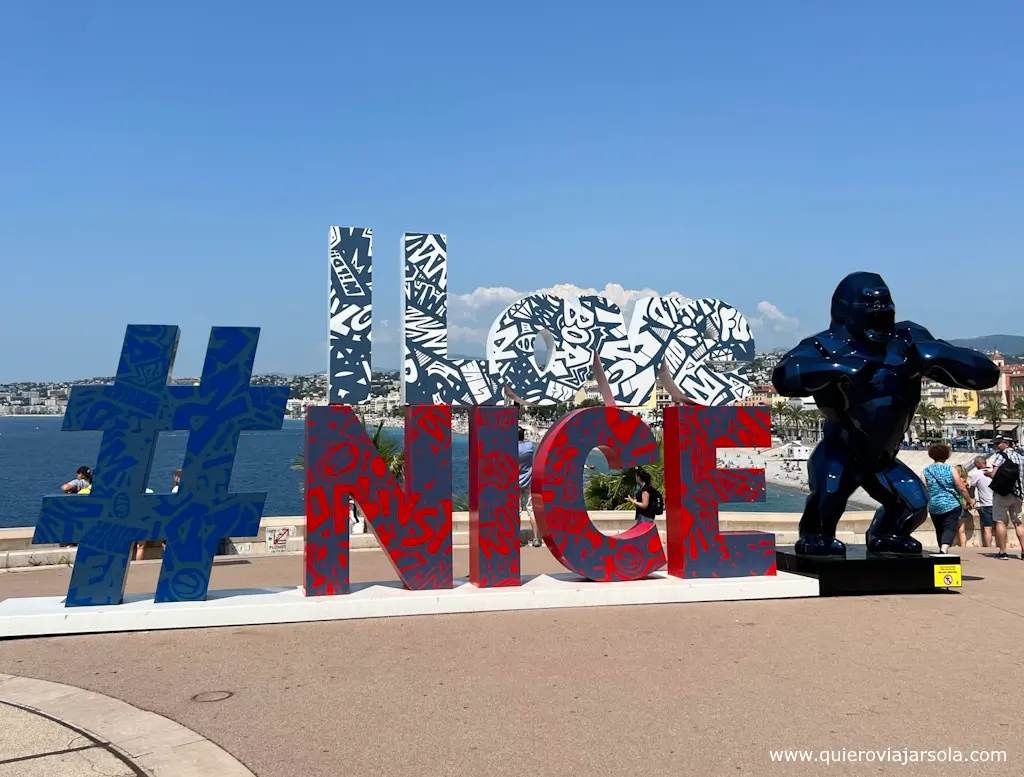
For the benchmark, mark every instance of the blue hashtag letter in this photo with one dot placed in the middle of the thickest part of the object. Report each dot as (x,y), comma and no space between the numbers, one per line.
(131,412)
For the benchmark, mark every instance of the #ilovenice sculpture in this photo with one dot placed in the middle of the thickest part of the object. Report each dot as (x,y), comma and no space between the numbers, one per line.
(864,373)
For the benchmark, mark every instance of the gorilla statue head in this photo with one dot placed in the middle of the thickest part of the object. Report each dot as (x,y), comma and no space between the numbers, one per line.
(863,305)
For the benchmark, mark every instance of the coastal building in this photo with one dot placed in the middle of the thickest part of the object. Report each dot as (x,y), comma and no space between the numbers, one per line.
(760,371)
(969,432)
(590,392)
(1010,387)
(954,402)
(1013,383)
(662,398)
(771,359)
(383,405)
(801,403)
(294,408)
(764,394)
(997,392)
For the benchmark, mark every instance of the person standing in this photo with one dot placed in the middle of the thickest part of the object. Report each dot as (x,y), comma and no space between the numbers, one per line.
(945,490)
(966,504)
(979,487)
(1007,493)
(644,498)
(525,477)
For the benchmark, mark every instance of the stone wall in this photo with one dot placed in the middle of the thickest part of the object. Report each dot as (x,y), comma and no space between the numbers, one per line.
(286,535)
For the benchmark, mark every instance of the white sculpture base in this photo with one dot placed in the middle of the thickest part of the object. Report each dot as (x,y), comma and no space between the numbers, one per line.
(44,615)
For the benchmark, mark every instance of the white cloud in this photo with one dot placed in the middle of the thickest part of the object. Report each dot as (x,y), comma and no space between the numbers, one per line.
(501,296)
(470,315)
(771,317)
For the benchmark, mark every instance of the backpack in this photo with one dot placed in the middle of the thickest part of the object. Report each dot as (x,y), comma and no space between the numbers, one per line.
(657,505)
(1005,477)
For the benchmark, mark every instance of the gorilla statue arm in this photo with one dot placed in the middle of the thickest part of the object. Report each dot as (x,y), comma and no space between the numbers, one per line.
(949,365)
(811,366)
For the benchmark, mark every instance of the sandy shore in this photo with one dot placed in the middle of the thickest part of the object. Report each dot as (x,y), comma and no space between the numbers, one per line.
(791,475)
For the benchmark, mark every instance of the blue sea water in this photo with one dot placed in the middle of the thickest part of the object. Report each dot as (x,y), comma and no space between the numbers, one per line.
(36,457)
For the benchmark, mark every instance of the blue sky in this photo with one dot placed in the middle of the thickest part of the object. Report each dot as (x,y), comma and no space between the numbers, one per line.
(181,163)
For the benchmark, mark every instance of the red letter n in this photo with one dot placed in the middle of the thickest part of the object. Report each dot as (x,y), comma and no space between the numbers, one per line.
(413,523)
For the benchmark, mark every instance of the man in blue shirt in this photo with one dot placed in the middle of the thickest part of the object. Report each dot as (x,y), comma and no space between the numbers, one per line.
(525,475)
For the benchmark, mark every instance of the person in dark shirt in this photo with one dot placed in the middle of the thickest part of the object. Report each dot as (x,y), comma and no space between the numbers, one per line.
(644,499)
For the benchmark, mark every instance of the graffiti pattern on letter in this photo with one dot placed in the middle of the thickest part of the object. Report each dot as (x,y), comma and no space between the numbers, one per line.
(493,497)
(558,505)
(695,488)
(575,329)
(681,340)
(351,300)
(671,337)
(131,412)
(413,524)
(429,376)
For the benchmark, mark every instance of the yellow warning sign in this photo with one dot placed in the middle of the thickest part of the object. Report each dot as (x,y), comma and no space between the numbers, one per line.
(948,576)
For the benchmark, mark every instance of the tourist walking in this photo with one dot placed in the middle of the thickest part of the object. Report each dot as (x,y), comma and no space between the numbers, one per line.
(645,497)
(525,477)
(1007,493)
(979,487)
(945,490)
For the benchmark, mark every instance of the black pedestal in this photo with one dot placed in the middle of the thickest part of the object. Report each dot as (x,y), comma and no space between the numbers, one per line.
(863,573)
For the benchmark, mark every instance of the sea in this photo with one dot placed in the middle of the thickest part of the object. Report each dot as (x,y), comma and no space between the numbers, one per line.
(36,457)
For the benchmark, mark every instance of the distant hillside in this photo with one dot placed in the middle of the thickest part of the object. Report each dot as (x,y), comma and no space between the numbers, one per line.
(1005,344)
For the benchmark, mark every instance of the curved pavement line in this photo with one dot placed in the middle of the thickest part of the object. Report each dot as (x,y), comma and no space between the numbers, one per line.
(144,740)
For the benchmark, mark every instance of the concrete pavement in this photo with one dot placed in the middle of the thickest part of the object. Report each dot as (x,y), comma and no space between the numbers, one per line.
(710,689)
(54,730)
(31,744)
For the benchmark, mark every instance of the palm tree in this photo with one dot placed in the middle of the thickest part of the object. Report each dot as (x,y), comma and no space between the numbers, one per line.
(816,419)
(928,413)
(780,413)
(799,417)
(1018,413)
(609,492)
(993,411)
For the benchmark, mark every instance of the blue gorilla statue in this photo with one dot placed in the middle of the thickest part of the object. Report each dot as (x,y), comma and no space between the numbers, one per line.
(864,373)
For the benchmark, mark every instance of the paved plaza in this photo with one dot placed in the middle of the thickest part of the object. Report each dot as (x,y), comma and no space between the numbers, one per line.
(708,689)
